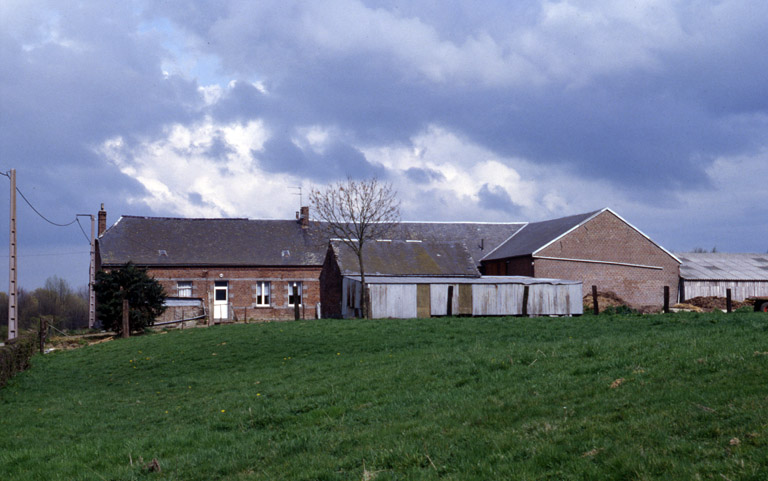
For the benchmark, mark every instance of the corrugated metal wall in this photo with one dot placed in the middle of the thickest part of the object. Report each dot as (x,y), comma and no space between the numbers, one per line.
(487,299)
(438,296)
(497,299)
(740,290)
(393,300)
(555,300)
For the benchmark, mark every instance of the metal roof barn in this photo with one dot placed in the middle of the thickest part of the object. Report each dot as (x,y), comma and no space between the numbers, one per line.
(712,273)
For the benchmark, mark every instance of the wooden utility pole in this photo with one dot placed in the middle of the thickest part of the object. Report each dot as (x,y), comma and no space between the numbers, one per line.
(12,266)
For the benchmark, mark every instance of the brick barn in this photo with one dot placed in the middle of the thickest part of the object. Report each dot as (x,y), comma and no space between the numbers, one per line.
(597,248)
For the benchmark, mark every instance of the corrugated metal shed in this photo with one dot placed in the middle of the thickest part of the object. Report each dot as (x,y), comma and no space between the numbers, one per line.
(712,274)
(401,296)
(722,266)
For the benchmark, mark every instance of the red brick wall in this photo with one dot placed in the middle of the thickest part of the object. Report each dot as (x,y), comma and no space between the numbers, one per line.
(242,288)
(516,266)
(608,238)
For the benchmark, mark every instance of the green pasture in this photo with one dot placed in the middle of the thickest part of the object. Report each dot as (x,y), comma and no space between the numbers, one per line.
(624,397)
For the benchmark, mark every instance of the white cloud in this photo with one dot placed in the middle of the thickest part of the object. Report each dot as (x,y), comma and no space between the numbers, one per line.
(208,162)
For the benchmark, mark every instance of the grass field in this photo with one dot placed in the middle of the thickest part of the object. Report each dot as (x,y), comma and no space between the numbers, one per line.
(679,396)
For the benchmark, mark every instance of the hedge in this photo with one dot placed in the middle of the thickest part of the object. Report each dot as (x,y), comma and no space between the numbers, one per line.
(15,355)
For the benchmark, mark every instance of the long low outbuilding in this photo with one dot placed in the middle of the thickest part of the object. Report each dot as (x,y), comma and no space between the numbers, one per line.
(714,273)
(420,297)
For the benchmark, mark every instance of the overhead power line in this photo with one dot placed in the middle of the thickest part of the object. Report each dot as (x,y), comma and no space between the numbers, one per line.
(37,211)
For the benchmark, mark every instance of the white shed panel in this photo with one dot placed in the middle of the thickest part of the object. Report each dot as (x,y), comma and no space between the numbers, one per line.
(438,299)
(393,300)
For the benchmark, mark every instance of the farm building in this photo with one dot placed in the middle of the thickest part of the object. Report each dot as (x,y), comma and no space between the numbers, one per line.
(411,297)
(424,279)
(711,274)
(597,248)
(246,268)
(238,268)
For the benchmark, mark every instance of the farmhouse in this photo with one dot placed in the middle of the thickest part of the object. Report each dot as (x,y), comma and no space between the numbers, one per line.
(712,274)
(597,248)
(238,268)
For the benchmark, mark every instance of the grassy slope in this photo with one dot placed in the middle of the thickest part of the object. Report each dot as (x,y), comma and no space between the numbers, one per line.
(418,399)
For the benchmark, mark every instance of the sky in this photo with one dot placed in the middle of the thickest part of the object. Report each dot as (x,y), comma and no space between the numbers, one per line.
(474,111)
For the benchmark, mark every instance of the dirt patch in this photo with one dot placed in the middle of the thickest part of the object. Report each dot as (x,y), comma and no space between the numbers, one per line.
(709,303)
(66,343)
(604,299)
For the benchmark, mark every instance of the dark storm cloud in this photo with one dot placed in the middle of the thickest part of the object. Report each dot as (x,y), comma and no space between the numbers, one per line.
(280,154)
(73,76)
(494,197)
(640,127)
(423,176)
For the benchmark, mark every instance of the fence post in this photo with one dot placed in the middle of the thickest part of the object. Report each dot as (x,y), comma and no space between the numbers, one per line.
(43,333)
(666,299)
(126,318)
(296,314)
(449,309)
(525,301)
(596,309)
(728,304)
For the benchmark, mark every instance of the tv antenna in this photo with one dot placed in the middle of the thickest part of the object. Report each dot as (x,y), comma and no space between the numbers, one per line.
(301,197)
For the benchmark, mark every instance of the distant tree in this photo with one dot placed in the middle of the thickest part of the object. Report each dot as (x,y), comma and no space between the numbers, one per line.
(60,304)
(145,298)
(701,250)
(356,212)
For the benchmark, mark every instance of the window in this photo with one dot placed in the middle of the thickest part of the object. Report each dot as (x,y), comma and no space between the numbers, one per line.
(184,288)
(262,293)
(220,291)
(294,293)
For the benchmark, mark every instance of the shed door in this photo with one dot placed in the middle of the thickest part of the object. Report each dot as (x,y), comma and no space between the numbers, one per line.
(423,310)
(465,299)
(220,300)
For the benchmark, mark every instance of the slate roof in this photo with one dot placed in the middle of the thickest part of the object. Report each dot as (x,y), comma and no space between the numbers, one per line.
(480,238)
(402,258)
(722,266)
(163,241)
(168,241)
(535,235)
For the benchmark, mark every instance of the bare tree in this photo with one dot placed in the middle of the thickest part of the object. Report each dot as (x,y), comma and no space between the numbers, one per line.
(356,212)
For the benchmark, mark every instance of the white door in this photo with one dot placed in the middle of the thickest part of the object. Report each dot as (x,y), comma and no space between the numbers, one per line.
(220,300)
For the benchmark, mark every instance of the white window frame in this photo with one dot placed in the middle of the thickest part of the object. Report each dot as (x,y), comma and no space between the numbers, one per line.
(261,286)
(290,292)
(184,288)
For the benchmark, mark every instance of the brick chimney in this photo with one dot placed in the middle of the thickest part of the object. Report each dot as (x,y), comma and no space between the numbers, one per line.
(102,220)
(304,217)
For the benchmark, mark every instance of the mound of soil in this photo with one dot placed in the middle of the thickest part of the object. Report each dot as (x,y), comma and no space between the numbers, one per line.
(710,303)
(604,299)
